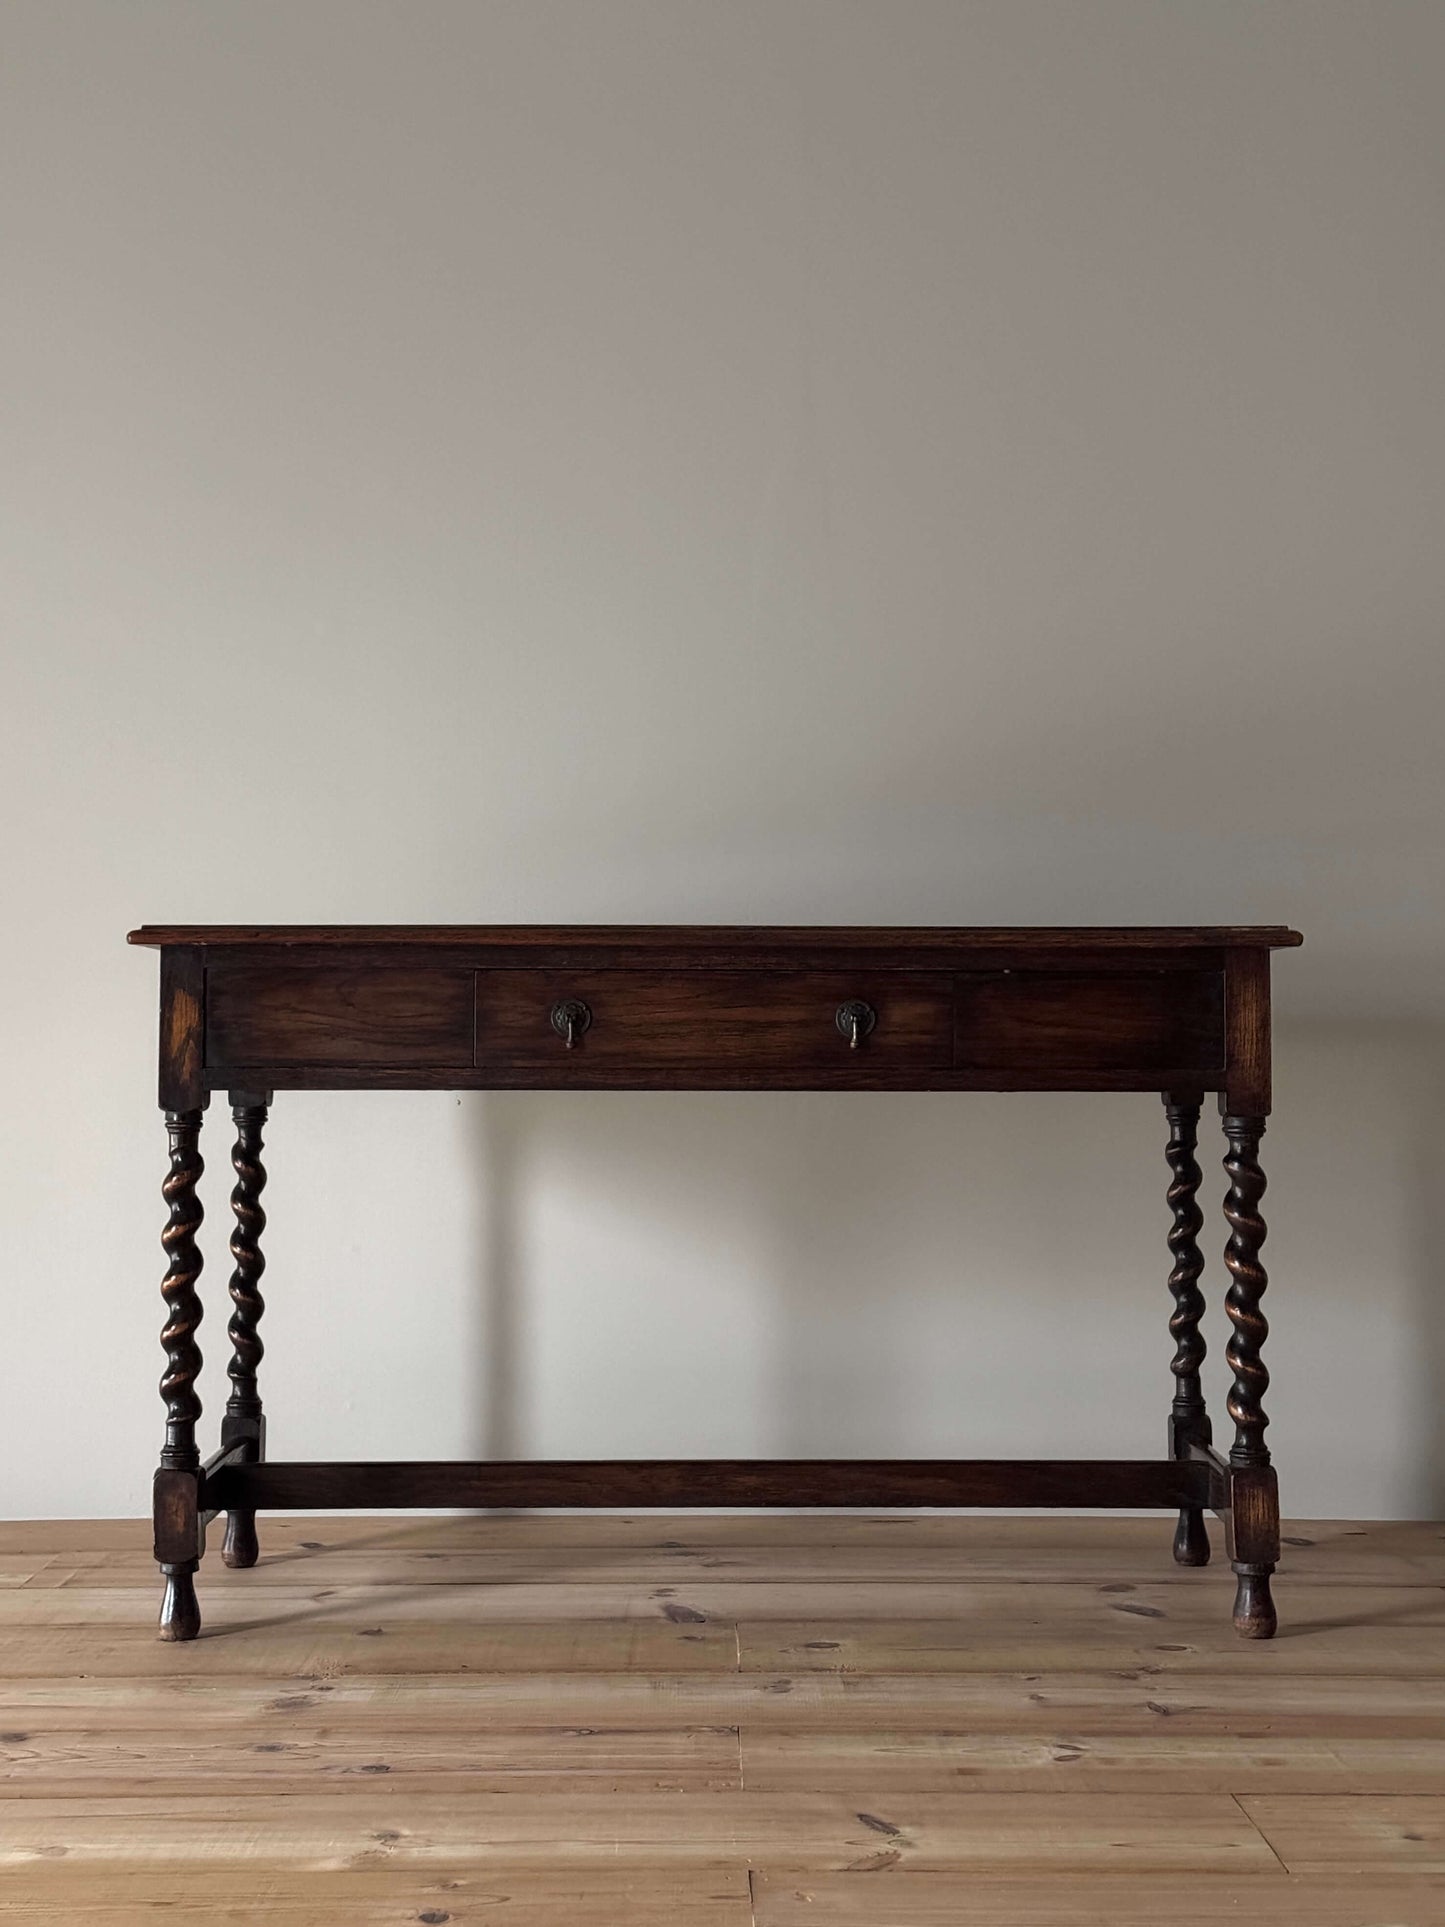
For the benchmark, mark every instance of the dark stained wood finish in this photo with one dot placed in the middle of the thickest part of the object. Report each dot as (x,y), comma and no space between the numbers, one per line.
(178,1289)
(1180,1010)
(1188,1418)
(1144,1023)
(639,1483)
(583,1073)
(270,1014)
(1135,1016)
(179,1540)
(1248,1280)
(739,1022)
(1254,1501)
(183,1007)
(1247,1032)
(244,1424)
(733,939)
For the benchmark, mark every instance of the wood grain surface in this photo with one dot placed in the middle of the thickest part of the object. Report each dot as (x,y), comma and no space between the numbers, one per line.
(617,1721)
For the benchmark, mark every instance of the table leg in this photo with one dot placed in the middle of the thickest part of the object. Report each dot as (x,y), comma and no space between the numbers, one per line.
(244,1422)
(178,1530)
(1188,1418)
(1254,1496)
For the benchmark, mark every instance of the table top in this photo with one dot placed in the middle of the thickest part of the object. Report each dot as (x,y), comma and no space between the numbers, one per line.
(601,936)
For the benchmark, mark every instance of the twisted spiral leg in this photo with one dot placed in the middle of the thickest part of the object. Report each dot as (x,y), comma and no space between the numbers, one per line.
(176,1522)
(178,1289)
(1248,1280)
(1189,1420)
(1254,1613)
(243,1420)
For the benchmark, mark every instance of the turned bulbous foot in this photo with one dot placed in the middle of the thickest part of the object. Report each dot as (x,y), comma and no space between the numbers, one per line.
(180,1609)
(241,1546)
(1191,1538)
(1254,1614)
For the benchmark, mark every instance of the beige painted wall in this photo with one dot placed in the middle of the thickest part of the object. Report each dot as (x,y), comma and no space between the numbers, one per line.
(789,461)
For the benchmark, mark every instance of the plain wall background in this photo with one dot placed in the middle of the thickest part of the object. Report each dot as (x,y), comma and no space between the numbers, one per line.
(795,461)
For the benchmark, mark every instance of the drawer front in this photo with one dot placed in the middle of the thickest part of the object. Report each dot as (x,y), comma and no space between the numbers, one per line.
(1149,1022)
(719,1026)
(274,1014)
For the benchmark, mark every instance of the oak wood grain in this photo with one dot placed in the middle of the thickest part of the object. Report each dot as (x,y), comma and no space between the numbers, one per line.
(270,1014)
(648,1021)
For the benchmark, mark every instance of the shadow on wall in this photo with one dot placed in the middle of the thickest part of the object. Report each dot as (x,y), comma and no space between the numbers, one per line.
(821,1274)
(1428,1267)
(1358,1296)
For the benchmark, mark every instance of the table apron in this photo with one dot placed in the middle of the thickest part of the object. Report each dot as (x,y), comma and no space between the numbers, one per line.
(348,1024)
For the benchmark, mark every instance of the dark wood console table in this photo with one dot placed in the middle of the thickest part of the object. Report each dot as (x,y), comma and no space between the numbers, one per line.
(1177,1011)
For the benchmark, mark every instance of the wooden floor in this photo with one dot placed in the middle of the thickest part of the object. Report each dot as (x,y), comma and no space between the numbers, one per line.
(709,1722)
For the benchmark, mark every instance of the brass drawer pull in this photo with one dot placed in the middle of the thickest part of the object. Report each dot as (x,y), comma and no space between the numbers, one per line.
(570,1018)
(855,1019)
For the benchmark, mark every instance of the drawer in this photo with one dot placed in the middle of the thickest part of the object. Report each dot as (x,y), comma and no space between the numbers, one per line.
(275,1014)
(720,1026)
(1145,1022)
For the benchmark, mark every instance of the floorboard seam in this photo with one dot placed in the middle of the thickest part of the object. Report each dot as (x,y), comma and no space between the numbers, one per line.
(1252,1822)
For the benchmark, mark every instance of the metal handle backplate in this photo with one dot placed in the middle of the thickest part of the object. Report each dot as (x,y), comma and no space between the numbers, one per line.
(855,1019)
(570,1018)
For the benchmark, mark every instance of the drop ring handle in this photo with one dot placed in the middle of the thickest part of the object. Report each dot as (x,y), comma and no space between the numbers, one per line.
(570,1017)
(855,1019)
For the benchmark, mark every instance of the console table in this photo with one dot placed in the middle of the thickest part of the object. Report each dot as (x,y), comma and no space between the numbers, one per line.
(250,1010)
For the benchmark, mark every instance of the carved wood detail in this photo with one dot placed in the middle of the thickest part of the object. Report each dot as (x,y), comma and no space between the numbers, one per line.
(244,1419)
(177,1517)
(1188,1418)
(1254,1613)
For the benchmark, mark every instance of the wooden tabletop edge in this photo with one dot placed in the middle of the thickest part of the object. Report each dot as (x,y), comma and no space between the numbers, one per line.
(964,937)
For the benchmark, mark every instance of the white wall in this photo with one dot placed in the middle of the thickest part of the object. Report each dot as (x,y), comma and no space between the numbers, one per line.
(793,461)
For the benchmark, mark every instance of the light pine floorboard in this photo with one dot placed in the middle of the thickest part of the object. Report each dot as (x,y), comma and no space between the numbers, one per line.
(638,1896)
(722,1721)
(1132,1900)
